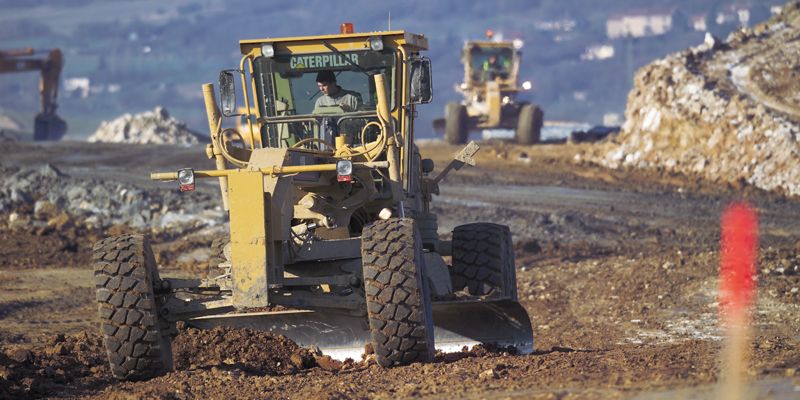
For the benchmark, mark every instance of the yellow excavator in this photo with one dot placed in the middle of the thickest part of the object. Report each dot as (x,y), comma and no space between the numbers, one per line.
(47,125)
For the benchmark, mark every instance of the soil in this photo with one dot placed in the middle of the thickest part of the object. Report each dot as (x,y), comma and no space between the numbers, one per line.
(617,269)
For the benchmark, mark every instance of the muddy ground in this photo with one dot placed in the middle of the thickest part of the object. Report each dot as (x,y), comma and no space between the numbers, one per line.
(617,268)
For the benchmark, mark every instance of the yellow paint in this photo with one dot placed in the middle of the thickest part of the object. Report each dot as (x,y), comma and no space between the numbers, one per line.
(404,42)
(354,41)
(275,170)
(248,238)
(214,119)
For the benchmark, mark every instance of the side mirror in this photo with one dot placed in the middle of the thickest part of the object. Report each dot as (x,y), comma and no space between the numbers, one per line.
(427,165)
(227,93)
(421,85)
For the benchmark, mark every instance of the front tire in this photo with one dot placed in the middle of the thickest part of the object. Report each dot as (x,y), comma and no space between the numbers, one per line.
(455,128)
(137,342)
(398,300)
(529,124)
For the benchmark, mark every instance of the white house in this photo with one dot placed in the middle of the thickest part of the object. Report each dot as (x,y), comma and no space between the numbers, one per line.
(638,25)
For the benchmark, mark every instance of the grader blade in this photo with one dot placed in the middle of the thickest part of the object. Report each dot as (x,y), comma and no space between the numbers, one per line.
(503,323)
(338,334)
(342,335)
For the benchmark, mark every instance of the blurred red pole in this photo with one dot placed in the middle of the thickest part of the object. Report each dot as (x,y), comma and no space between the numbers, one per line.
(738,257)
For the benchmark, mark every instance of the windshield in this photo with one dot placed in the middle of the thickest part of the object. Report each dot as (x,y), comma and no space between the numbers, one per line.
(292,86)
(290,81)
(490,62)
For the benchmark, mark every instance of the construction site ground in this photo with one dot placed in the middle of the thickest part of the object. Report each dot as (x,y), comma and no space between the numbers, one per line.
(617,269)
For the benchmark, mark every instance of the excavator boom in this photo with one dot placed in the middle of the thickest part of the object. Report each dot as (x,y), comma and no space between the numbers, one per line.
(47,124)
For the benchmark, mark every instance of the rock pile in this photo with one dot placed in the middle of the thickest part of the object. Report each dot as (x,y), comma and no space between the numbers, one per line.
(46,198)
(9,122)
(151,127)
(9,127)
(720,110)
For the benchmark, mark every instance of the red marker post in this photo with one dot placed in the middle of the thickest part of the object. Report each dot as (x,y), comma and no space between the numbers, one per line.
(737,292)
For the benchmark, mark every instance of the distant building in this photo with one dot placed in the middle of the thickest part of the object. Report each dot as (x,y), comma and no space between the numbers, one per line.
(77,86)
(612,119)
(699,23)
(638,24)
(598,52)
(734,14)
(561,25)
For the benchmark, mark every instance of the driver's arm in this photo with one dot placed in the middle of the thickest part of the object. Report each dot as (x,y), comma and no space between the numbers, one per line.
(351,101)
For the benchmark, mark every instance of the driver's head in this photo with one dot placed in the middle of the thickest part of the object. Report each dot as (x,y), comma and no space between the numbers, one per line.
(326,81)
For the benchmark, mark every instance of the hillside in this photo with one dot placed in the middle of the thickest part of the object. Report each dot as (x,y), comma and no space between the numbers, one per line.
(727,111)
(141,54)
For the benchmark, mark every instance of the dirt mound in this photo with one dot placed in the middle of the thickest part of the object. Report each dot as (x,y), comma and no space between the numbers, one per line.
(151,127)
(727,111)
(7,121)
(255,352)
(36,371)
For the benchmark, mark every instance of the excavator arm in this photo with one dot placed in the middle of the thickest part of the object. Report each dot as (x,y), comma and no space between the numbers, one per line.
(47,125)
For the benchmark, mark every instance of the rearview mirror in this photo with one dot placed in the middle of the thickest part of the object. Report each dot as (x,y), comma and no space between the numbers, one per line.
(421,85)
(227,93)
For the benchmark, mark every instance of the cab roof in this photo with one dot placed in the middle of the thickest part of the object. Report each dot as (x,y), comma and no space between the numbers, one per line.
(489,43)
(347,41)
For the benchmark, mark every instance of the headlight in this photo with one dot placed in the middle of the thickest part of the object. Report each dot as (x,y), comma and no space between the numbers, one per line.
(517,43)
(267,50)
(344,170)
(344,167)
(186,179)
(376,43)
(527,85)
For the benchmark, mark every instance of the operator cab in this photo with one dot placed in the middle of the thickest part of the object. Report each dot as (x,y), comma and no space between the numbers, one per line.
(490,63)
(290,97)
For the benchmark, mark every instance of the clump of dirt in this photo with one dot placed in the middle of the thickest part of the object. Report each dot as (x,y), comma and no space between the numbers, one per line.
(35,371)
(255,352)
(151,127)
(719,110)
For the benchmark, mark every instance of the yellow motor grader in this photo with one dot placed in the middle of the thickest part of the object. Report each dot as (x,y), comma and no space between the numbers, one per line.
(332,242)
(490,88)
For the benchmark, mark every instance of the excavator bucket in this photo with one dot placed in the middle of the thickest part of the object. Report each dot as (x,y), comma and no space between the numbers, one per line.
(49,127)
(342,335)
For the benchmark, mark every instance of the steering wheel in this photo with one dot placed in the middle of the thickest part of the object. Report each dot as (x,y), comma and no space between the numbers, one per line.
(312,140)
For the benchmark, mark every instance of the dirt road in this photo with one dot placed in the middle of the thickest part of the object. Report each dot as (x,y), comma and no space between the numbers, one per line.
(617,269)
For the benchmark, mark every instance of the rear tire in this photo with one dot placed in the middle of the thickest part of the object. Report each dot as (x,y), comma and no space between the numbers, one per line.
(398,301)
(455,129)
(483,260)
(529,124)
(137,342)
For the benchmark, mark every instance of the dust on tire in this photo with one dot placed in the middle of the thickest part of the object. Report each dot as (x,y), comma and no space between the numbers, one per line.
(455,129)
(135,340)
(398,304)
(529,124)
(483,260)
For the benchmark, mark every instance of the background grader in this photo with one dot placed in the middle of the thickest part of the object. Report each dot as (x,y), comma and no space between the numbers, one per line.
(490,88)
(332,242)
